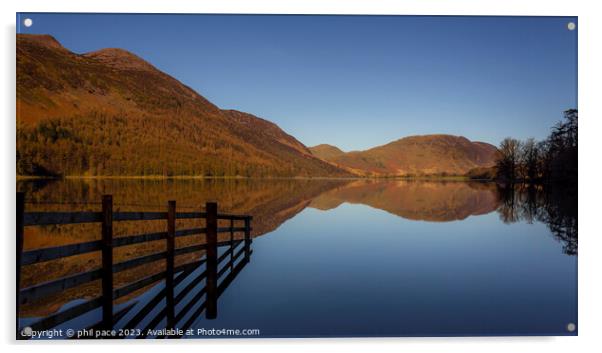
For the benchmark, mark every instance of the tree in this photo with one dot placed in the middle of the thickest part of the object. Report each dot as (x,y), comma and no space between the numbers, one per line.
(508,159)
(561,153)
(529,160)
(553,160)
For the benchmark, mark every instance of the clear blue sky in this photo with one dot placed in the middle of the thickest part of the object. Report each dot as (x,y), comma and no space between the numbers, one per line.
(355,81)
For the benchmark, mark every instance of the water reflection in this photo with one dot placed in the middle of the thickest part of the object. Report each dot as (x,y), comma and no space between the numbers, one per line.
(557,208)
(433,201)
(271,203)
(165,309)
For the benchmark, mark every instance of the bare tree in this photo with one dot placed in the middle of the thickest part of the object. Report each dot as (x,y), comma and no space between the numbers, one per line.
(529,160)
(508,159)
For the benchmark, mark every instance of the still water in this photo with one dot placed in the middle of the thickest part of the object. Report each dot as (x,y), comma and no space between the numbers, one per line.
(339,257)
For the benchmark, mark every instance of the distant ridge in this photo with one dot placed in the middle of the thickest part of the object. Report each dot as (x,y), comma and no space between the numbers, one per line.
(426,155)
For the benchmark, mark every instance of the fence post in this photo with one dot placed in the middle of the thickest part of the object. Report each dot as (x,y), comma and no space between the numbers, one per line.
(107,261)
(248,239)
(169,273)
(211,311)
(20,231)
(231,244)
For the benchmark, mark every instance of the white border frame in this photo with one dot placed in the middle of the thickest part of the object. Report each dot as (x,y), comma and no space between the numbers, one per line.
(589,79)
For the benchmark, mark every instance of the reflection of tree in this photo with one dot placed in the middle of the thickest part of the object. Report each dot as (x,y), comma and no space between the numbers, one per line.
(556,207)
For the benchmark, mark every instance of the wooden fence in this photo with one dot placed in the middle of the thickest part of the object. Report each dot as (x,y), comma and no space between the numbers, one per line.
(173,275)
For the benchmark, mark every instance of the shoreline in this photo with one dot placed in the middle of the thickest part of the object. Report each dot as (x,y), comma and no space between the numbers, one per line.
(182,177)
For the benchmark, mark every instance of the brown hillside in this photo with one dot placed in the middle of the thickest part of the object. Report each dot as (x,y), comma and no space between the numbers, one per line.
(419,156)
(266,129)
(109,112)
(326,151)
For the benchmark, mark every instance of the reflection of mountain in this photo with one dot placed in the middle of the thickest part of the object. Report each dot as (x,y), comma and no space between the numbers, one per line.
(417,200)
(271,202)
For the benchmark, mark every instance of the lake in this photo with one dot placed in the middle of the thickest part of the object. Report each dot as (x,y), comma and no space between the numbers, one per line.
(333,258)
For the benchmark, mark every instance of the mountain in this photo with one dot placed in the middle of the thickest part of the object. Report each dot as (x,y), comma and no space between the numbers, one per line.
(326,151)
(111,113)
(266,130)
(436,155)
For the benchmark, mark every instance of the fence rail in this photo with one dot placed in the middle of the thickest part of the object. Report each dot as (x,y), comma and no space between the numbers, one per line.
(55,218)
(106,217)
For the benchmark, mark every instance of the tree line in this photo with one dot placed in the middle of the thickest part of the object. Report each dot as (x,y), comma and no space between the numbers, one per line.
(553,160)
(103,144)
